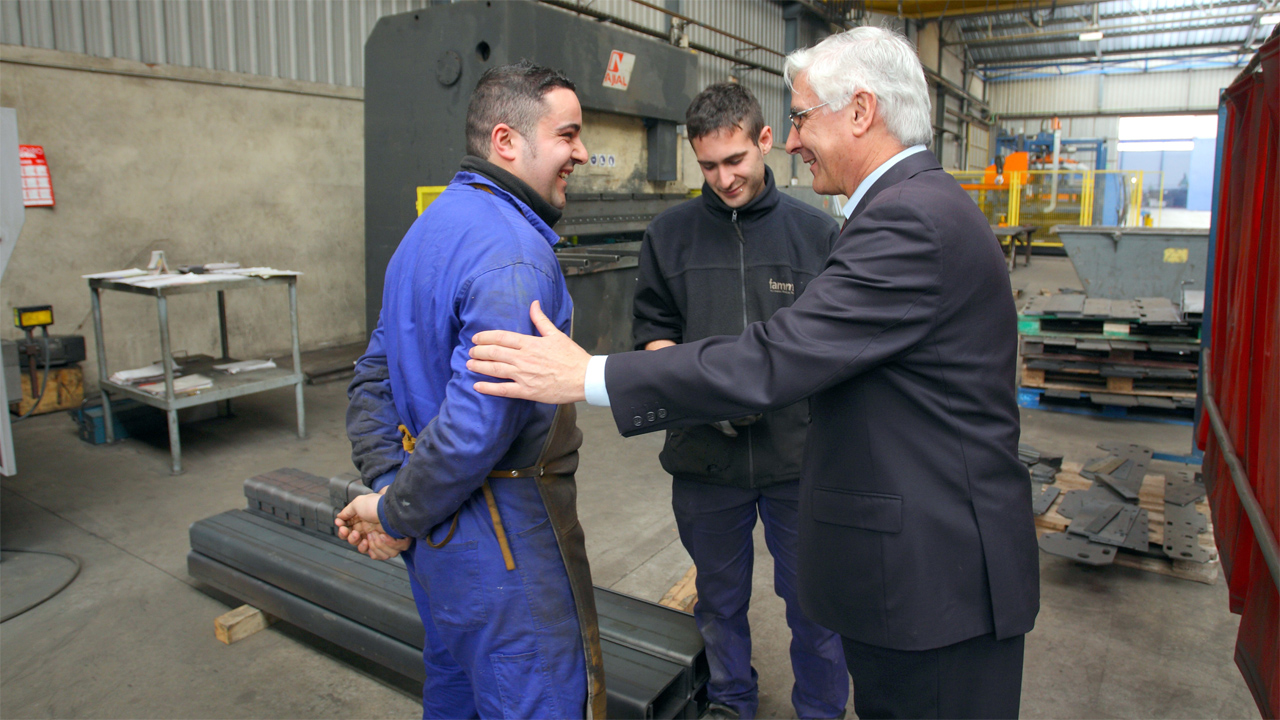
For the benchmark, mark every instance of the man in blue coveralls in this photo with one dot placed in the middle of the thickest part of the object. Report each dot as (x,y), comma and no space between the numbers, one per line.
(478,491)
(711,266)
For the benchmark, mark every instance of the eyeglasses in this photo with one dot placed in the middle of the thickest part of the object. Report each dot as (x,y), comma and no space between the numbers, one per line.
(797,117)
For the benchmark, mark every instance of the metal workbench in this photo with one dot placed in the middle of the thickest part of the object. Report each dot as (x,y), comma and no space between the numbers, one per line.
(225,386)
(1015,235)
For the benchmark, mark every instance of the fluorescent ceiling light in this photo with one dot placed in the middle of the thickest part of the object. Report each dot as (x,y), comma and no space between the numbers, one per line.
(1093,36)
(1271,19)
(1157,145)
(1164,127)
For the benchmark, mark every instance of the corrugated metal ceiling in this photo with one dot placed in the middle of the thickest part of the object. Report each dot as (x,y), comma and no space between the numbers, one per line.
(1129,28)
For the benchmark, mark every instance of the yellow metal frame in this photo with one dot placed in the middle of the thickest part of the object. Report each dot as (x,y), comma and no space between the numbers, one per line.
(1018,184)
(1086,200)
(1015,200)
(427,195)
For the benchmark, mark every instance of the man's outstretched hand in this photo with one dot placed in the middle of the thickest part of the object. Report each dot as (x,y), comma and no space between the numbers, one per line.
(550,369)
(358,524)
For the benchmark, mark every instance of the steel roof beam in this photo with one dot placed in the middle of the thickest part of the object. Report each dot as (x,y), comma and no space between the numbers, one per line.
(1206,110)
(937,9)
(1147,28)
(997,64)
(1190,7)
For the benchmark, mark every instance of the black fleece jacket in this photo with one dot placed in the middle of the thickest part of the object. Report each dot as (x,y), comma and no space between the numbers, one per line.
(707,269)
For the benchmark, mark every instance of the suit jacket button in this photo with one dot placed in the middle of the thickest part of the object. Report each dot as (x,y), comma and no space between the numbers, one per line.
(651,417)
(636,421)
(662,412)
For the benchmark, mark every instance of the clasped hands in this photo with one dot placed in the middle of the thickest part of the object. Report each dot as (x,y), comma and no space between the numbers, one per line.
(550,369)
(359,525)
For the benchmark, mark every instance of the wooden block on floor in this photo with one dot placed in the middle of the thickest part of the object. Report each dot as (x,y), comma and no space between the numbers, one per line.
(683,595)
(64,390)
(240,623)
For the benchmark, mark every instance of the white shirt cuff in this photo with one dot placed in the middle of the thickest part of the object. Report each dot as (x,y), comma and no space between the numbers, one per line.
(595,390)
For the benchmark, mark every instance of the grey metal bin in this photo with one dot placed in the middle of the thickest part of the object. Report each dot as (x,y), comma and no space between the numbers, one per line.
(1126,263)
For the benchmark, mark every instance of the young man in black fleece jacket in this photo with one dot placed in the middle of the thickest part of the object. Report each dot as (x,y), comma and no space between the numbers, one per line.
(712,266)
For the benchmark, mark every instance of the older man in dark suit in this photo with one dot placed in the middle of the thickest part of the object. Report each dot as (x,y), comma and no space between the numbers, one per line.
(916,537)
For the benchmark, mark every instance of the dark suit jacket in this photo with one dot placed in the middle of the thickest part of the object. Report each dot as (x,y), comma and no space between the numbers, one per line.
(915,513)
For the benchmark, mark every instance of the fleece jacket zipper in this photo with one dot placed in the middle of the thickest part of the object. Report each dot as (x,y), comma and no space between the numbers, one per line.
(742,271)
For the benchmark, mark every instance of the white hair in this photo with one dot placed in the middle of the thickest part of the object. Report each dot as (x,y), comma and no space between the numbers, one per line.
(874,60)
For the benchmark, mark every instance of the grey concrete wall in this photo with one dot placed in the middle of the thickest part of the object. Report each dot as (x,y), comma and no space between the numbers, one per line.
(207,166)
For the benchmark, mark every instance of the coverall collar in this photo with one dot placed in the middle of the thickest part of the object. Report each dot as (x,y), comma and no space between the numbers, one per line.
(766,201)
(515,186)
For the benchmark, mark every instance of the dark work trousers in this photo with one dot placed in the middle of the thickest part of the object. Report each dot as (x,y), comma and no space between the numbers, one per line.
(715,524)
(976,678)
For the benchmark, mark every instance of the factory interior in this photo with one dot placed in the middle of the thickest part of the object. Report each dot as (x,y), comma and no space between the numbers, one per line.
(200,201)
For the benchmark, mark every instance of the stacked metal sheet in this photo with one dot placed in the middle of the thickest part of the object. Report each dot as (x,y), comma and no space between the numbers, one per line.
(1141,353)
(280,557)
(1107,516)
(1043,468)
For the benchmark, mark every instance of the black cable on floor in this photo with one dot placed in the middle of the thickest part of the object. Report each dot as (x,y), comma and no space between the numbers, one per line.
(44,383)
(10,615)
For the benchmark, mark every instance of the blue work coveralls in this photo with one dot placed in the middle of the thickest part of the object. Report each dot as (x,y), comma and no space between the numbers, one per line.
(498,642)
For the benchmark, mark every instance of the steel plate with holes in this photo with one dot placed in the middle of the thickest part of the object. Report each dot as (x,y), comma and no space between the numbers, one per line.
(1103,465)
(1097,307)
(1040,501)
(1128,477)
(1181,488)
(1182,527)
(1139,537)
(1089,500)
(1117,531)
(1090,523)
(1126,309)
(1077,548)
(1123,487)
(1043,473)
(1158,311)
(1064,305)
(1185,519)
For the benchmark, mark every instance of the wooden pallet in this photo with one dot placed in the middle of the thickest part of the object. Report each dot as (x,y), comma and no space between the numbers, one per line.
(1116,352)
(1077,327)
(1086,381)
(1151,499)
(1036,399)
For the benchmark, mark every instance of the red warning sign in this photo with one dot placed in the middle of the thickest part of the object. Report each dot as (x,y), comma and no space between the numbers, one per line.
(37,186)
(617,73)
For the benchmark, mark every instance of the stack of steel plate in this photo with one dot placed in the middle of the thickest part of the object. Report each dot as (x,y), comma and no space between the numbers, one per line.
(271,557)
(1137,358)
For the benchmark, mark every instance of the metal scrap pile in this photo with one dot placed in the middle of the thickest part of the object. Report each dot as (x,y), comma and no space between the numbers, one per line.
(1107,516)
(1044,469)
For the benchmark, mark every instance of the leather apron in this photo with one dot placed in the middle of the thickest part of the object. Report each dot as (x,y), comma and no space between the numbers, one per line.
(554,474)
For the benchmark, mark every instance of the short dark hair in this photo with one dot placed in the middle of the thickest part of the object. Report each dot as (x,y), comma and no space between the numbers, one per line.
(721,106)
(510,94)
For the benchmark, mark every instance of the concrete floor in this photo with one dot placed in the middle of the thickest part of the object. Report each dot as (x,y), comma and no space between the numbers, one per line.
(132,636)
